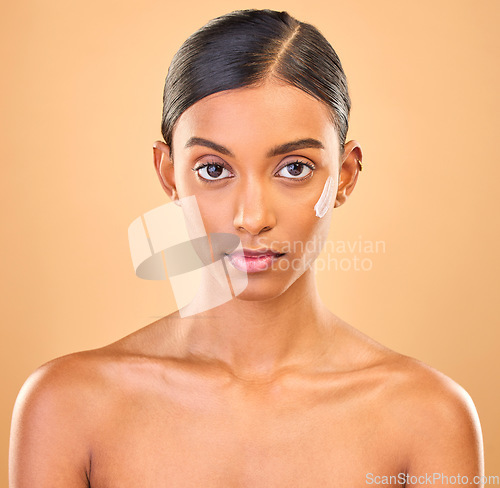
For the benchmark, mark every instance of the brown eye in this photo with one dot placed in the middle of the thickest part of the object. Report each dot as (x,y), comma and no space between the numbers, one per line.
(295,170)
(212,172)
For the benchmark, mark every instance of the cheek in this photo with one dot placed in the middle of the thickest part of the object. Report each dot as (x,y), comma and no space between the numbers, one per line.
(302,233)
(308,231)
(213,211)
(325,201)
(216,212)
(309,215)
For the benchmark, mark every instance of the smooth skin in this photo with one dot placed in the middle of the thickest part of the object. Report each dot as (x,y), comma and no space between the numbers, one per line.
(269,389)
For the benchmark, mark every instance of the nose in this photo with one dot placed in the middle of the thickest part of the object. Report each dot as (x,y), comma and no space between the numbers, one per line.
(254,213)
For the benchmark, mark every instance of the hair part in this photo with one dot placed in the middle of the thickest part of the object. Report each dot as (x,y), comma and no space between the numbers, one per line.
(247,47)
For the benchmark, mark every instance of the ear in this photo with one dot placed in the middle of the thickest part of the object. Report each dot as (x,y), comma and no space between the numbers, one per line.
(164,167)
(349,171)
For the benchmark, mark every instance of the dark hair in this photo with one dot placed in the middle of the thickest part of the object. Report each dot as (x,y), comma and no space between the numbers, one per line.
(246,47)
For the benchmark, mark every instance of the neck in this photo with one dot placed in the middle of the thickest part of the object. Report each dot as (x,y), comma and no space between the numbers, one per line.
(256,339)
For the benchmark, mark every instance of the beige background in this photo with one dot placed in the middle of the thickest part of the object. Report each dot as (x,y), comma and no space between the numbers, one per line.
(81,104)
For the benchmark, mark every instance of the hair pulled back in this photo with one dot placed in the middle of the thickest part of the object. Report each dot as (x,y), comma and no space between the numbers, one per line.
(245,48)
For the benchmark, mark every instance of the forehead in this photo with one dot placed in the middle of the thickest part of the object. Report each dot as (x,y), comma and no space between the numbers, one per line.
(257,118)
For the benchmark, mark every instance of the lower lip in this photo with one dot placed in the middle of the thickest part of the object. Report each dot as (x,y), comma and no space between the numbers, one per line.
(253,264)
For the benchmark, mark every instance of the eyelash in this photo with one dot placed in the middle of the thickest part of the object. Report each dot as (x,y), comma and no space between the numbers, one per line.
(303,163)
(311,166)
(205,165)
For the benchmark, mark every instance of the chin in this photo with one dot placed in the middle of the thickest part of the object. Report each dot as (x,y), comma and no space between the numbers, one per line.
(261,287)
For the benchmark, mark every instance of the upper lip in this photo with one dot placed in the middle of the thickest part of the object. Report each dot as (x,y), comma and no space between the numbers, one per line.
(256,252)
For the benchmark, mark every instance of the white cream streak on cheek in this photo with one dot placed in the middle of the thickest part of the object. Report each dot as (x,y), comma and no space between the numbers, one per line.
(325,200)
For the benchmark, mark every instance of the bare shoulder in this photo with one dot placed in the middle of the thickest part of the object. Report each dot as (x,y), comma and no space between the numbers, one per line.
(429,416)
(437,419)
(425,403)
(84,380)
(55,417)
(408,381)
(433,404)
(66,404)
(69,386)
(93,374)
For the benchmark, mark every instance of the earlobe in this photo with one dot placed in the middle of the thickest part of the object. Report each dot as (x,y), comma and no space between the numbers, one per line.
(349,171)
(165,169)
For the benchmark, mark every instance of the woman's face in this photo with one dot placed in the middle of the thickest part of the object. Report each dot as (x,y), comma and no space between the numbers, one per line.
(257,160)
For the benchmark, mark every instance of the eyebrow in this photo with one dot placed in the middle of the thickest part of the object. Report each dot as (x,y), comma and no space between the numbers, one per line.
(294,145)
(199,141)
(275,151)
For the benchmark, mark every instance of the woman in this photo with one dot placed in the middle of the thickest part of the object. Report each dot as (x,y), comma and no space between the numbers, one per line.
(269,388)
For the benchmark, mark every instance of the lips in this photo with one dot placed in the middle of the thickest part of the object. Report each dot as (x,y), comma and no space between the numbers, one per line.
(253,260)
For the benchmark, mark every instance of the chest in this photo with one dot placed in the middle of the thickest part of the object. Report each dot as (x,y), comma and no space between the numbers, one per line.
(303,442)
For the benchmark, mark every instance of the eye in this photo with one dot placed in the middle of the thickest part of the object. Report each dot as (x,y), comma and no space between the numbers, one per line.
(296,170)
(212,172)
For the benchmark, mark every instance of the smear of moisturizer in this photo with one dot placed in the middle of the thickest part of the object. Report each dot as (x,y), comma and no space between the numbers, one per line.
(325,200)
